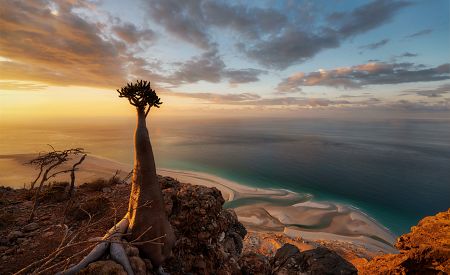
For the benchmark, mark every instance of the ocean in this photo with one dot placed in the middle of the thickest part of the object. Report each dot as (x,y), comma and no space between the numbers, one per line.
(396,171)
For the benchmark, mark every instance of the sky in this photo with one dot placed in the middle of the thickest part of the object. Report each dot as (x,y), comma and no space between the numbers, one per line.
(66,58)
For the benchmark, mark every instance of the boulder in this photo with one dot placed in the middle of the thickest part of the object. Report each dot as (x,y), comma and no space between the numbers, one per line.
(252,264)
(13,235)
(209,238)
(30,227)
(138,265)
(103,268)
(321,260)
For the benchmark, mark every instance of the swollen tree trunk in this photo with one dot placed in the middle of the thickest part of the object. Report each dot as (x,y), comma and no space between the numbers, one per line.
(147,216)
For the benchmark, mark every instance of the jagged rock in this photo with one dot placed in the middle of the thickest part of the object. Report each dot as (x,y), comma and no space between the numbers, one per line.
(268,243)
(103,268)
(13,235)
(252,264)
(284,253)
(31,227)
(131,250)
(138,265)
(289,260)
(209,238)
(425,250)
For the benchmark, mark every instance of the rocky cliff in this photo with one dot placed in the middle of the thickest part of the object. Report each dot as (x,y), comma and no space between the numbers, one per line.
(425,250)
(210,239)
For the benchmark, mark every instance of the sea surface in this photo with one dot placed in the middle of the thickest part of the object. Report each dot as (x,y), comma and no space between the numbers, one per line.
(397,171)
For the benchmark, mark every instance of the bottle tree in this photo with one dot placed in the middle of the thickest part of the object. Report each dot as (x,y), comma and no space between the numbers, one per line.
(147,217)
(146,214)
(146,224)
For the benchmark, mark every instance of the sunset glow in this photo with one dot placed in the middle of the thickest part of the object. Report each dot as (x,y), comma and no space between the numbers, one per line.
(265,56)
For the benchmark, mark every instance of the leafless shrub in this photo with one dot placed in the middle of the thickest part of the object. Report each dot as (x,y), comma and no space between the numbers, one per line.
(92,207)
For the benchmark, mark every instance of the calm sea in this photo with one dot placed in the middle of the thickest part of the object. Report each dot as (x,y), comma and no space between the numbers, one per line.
(397,171)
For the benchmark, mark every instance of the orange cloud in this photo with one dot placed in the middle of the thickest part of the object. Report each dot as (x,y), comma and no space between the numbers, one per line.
(59,48)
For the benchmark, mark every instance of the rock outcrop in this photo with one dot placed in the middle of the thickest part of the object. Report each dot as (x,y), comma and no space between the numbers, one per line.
(209,238)
(321,260)
(425,250)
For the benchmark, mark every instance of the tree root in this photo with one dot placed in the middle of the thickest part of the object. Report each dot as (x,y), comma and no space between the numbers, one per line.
(111,240)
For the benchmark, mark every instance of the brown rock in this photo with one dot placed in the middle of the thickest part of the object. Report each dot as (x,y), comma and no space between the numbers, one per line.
(13,235)
(103,268)
(321,260)
(30,227)
(425,250)
(252,263)
(209,238)
(138,265)
(131,250)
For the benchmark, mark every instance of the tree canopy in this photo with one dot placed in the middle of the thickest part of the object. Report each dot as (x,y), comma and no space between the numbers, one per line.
(140,95)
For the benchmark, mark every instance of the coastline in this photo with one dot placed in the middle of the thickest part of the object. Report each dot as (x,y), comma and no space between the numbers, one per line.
(259,209)
(296,215)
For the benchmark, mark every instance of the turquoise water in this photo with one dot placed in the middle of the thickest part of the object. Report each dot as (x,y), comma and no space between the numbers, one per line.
(397,171)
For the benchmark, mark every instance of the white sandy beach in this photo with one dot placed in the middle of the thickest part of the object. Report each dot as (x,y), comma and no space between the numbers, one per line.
(258,209)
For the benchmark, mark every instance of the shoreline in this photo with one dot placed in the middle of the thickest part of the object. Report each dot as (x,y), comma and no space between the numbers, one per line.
(259,209)
(314,220)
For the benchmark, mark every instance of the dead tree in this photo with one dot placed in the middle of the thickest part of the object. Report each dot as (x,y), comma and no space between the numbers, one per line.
(47,163)
(72,175)
(146,219)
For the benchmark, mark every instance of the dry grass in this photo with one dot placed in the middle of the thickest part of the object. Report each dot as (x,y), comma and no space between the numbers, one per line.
(92,207)
(55,192)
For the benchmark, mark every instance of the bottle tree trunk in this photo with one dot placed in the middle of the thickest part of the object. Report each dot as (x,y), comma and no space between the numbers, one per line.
(147,216)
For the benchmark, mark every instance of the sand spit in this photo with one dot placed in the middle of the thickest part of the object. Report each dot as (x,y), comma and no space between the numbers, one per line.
(279,210)
(259,209)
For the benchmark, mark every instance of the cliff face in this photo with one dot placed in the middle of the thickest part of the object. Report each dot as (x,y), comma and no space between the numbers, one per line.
(210,239)
(425,250)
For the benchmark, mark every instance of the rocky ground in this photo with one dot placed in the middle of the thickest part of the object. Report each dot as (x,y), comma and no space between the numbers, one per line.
(210,239)
(425,250)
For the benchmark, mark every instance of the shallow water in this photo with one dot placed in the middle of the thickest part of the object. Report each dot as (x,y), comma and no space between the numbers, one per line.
(397,171)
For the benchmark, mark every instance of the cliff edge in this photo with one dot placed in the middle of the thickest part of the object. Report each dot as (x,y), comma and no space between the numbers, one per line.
(425,250)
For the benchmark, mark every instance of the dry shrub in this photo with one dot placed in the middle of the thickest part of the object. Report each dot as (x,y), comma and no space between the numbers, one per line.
(100,183)
(93,206)
(96,185)
(55,192)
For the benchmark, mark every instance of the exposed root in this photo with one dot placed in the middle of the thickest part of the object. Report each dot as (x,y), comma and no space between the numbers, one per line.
(119,255)
(110,240)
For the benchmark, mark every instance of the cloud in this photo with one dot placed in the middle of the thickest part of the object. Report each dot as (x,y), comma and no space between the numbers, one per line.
(375,45)
(367,17)
(355,96)
(292,46)
(190,20)
(243,75)
(60,48)
(251,99)
(131,34)
(407,54)
(375,104)
(271,37)
(365,74)
(406,105)
(18,85)
(183,19)
(430,93)
(219,98)
(289,47)
(419,33)
(210,67)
